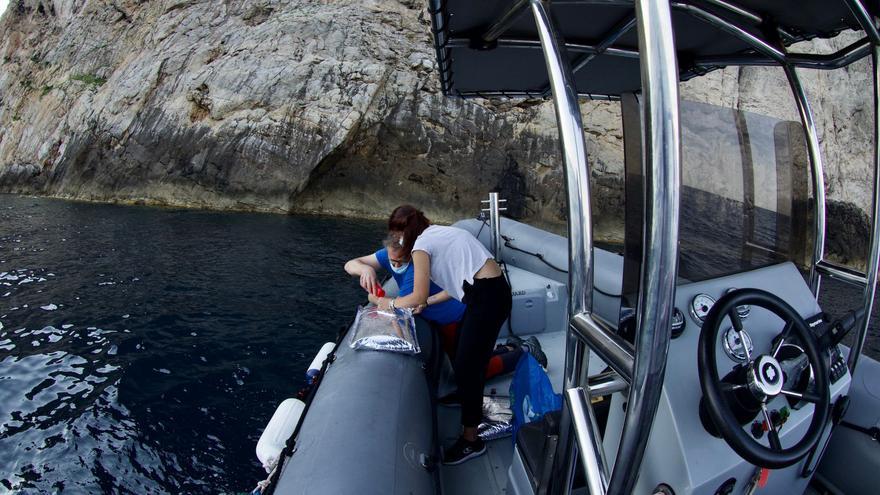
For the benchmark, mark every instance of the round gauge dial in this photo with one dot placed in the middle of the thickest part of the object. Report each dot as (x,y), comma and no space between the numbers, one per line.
(744,310)
(735,347)
(677,323)
(700,307)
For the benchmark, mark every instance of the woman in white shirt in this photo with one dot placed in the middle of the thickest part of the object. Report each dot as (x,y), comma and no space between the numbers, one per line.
(457,262)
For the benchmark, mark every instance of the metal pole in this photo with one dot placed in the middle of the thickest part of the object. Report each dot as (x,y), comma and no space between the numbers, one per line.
(574,160)
(732,29)
(495,224)
(749,16)
(611,37)
(865,20)
(817,172)
(831,61)
(503,23)
(662,154)
(606,383)
(611,348)
(589,445)
(580,237)
(874,257)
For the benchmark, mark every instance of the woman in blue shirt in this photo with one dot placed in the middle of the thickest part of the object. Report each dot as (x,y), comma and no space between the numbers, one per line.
(441,310)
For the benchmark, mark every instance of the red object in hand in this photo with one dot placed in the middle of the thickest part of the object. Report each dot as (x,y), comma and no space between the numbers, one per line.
(380,292)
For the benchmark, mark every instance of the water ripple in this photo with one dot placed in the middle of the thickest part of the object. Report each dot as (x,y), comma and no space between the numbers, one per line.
(143,350)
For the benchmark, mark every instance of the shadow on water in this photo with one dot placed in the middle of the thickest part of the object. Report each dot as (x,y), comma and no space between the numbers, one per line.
(143,350)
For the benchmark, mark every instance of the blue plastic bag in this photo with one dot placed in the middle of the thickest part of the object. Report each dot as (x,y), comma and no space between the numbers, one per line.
(531,394)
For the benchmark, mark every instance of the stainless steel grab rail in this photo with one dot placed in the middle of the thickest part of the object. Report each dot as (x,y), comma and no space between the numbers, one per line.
(606,383)
(874,255)
(662,165)
(580,238)
(608,346)
(589,443)
(817,172)
(842,273)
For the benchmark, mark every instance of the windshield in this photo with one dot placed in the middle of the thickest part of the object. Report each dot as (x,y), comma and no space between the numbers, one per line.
(745,196)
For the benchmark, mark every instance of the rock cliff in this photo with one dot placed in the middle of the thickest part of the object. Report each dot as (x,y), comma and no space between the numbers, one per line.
(323,107)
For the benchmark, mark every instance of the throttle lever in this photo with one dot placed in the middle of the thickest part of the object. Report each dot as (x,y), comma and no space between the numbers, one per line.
(835,332)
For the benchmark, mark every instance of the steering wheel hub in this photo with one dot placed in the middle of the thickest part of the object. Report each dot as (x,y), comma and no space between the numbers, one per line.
(766,378)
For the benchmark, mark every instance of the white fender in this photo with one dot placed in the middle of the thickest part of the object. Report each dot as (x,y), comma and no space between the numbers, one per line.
(315,367)
(279,429)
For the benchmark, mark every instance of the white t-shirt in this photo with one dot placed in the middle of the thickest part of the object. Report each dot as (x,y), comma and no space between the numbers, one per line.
(456,256)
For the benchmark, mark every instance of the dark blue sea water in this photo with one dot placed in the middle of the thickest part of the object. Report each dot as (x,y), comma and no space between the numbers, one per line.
(143,350)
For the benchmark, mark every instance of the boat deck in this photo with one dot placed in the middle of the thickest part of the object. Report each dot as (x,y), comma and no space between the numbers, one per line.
(485,474)
(488,473)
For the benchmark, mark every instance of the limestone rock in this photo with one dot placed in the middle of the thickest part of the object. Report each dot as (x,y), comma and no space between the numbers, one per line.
(323,107)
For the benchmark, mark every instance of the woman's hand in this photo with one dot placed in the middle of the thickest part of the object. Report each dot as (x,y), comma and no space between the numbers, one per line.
(368,279)
(383,303)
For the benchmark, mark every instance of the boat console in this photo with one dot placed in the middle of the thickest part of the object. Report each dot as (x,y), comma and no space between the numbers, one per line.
(685,449)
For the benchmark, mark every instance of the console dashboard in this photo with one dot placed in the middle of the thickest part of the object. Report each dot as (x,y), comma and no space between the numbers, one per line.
(681,453)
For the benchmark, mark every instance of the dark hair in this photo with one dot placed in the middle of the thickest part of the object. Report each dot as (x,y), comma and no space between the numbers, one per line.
(410,221)
(393,243)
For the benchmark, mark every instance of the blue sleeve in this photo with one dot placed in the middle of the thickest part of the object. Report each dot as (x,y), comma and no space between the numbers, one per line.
(405,281)
(382,256)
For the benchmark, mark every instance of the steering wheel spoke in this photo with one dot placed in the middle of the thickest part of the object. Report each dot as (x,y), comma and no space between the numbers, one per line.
(736,321)
(805,396)
(730,387)
(772,432)
(786,333)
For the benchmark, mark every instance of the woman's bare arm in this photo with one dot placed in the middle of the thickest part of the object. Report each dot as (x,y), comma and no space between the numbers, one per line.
(421,284)
(364,267)
(438,298)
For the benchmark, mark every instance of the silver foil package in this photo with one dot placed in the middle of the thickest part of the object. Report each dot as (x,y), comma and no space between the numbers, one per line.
(497,418)
(389,331)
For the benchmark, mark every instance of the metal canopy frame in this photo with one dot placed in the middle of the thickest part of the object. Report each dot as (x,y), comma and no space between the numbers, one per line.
(640,368)
(767,50)
(643,367)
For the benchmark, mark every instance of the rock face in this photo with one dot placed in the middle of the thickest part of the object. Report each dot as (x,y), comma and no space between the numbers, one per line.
(322,107)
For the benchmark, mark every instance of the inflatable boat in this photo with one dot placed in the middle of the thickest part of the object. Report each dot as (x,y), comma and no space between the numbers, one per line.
(697,360)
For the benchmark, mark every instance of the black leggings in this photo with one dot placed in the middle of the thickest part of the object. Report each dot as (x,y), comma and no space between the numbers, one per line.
(488,305)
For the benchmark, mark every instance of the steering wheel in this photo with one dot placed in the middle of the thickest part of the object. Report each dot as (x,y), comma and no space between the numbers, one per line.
(763,379)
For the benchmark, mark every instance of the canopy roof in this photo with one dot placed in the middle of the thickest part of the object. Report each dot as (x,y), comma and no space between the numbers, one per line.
(491,47)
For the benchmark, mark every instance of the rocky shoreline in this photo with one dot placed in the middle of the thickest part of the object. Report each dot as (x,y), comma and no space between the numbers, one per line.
(289,106)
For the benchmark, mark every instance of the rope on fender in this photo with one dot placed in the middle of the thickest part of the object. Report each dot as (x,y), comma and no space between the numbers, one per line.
(263,485)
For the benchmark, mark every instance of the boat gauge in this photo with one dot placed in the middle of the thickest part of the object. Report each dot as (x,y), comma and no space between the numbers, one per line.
(700,307)
(677,323)
(735,347)
(744,310)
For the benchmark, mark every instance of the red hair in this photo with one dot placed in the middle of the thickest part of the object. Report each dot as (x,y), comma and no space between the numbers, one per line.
(409,220)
